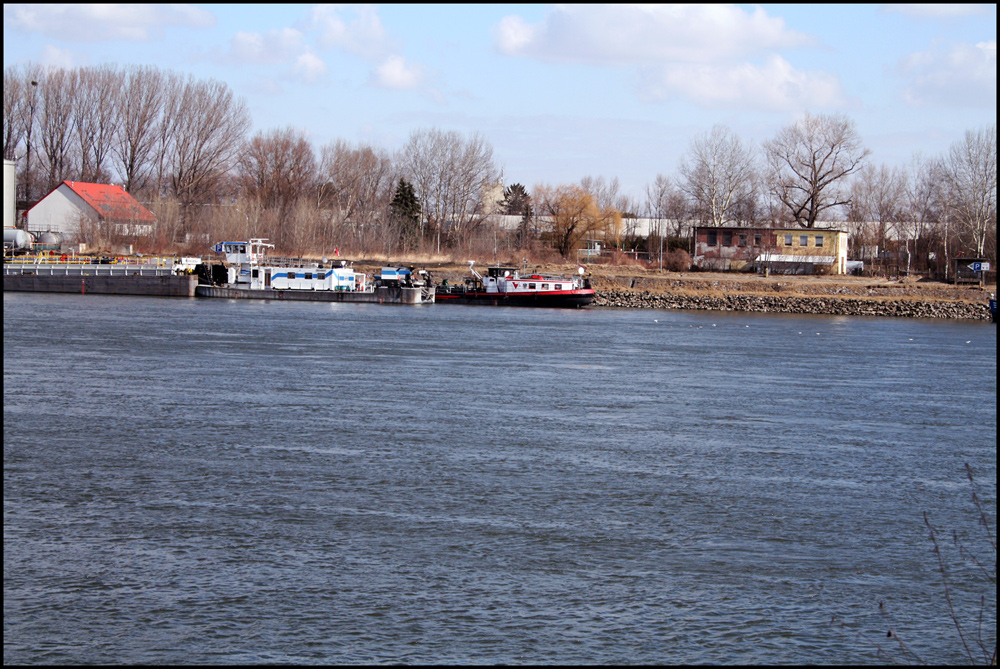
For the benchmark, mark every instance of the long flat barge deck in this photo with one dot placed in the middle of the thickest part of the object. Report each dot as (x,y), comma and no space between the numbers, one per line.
(160,277)
(169,277)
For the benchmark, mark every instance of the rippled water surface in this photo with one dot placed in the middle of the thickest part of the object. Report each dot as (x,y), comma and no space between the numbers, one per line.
(206,481)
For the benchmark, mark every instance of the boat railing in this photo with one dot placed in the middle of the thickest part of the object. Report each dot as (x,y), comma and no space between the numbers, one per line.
(65,260)
(286,261)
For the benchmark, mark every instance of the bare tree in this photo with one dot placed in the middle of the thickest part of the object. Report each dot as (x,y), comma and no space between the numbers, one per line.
(971,174)
(667,207)
(878,205)
(55,124)
(449,173)
(356,187)
(718,174)
(750,208)
(277,170)
(140,105)
(13,102)
(161,162)
(808,161)
(22,104)
(207,131)
(606,193)
(923,210)
(610,205)
(666,202)
(96,120)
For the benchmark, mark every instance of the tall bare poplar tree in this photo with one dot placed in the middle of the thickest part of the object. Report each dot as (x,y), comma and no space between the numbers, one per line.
(718,174)
(13,101)
(96,120)
(808,161)
(140,105)
(971,173)
(55,124)
(25,117)
(206,135)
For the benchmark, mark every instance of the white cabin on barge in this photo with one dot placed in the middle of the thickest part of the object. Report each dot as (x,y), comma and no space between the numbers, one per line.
(248,270)
(508,280)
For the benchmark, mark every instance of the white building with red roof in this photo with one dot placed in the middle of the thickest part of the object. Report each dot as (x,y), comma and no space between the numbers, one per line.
(74,203)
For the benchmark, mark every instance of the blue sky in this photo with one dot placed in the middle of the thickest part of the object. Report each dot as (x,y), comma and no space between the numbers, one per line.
(560,91)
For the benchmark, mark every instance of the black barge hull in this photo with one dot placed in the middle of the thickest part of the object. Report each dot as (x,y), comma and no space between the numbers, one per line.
(564,300)
(381,295)
(154,286)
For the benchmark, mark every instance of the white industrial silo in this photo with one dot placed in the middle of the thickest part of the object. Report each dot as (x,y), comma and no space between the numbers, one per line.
(9,190)
(12,237)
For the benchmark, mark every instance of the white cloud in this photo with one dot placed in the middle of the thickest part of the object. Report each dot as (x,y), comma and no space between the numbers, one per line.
(274,46)
(310,68)
(281,46)
(362,35)
(53,56)
(775,86)
(395,73)
(358,30)
(514,37)
(644,34)
(938,11)
(704,53)
(97,22)
(953,75)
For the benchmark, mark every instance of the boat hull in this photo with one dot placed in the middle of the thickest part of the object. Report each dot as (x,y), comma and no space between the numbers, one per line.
(381,295)
(183,285)
(561,299)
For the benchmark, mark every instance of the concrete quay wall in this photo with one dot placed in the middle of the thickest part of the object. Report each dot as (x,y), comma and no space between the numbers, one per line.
(794,305)
(156,286)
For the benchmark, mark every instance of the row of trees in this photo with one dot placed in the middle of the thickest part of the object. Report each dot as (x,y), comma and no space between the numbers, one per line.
(182,145)
(155,132)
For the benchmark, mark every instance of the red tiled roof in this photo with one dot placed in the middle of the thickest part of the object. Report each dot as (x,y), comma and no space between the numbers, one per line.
(111,202)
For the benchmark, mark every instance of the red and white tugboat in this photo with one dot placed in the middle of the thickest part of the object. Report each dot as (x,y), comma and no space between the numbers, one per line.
(504,286)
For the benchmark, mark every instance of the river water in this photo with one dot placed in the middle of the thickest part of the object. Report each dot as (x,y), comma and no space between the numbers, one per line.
(205,481)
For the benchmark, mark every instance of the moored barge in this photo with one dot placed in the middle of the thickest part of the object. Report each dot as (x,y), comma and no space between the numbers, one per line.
(504,286)
(148,276)
(248,274)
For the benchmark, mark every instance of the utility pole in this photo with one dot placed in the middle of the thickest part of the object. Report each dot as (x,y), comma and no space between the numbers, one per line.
(659,233)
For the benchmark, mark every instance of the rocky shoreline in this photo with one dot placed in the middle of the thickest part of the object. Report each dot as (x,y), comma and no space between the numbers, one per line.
(643,288)
(837,306)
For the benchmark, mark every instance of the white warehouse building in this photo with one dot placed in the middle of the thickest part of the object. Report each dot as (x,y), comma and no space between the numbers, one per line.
(73,202)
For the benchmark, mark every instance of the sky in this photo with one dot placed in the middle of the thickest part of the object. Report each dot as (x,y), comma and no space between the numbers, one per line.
(561,92)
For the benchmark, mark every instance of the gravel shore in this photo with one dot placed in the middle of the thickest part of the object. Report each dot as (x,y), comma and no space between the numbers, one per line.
(834,295)
(794,305)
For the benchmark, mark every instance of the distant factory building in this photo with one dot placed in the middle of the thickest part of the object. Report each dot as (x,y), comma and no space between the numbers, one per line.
(781,251)
(72,205)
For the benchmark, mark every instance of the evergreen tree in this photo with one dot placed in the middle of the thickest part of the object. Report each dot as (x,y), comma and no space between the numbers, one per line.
(516,200)
(406,209)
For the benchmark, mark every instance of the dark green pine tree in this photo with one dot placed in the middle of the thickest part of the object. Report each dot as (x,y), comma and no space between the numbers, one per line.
(406,208)
(515,200)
